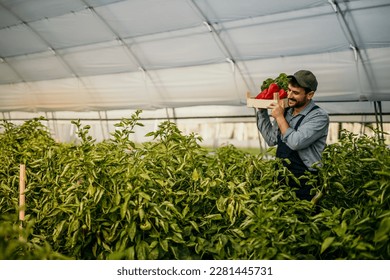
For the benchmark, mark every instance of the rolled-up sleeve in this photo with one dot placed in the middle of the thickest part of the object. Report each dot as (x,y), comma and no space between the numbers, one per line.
(312,128)
(268,130)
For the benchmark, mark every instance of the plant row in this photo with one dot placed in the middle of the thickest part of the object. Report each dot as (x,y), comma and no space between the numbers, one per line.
(170,198)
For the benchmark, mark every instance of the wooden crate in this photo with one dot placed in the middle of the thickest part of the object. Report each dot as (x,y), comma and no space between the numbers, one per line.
(263,103)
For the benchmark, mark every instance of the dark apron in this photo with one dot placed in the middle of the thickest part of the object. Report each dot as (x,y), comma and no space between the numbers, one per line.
(296,165)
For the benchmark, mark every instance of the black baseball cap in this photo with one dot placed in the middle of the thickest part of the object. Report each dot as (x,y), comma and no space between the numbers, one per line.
(305,79)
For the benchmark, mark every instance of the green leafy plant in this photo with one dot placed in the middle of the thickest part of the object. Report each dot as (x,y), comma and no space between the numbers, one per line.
(170,198)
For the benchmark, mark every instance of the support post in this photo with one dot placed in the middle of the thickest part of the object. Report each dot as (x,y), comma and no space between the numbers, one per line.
(22,198)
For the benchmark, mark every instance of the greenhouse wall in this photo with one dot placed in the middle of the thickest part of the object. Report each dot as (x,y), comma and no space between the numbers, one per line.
(215,132)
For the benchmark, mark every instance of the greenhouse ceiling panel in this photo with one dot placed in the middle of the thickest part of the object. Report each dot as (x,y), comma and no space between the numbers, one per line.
(88,55)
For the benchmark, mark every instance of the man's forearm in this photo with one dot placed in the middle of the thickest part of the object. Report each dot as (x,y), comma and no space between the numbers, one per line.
(282,124)
(267,130)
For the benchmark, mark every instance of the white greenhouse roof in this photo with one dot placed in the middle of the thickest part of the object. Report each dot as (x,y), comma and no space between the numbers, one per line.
(102,55)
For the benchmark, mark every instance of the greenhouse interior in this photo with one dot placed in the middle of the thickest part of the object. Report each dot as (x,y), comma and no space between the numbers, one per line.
(127,124)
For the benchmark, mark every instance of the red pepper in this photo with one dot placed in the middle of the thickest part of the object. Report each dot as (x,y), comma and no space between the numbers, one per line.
(271,90)
(282,94)
(262,94)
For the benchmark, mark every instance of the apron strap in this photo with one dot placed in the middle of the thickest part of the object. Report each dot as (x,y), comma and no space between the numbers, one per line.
(301,119)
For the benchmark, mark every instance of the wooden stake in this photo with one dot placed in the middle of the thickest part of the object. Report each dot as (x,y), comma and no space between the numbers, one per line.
(22,187)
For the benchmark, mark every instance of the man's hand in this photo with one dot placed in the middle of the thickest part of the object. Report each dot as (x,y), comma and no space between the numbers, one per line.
(277,113)
(277,108)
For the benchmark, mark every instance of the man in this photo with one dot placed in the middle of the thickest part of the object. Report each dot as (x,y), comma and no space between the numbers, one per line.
(300,131)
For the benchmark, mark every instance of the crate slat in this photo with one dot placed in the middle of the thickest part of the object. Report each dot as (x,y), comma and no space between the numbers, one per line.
(262,103)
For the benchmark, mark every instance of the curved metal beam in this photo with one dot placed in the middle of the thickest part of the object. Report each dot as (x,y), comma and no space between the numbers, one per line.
(130,53)
(3,59)
(222,45)
(353,43)
(345,27)
(49,46)
(20,77)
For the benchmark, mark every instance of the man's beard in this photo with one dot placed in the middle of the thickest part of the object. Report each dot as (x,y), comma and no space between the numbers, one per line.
(297,104)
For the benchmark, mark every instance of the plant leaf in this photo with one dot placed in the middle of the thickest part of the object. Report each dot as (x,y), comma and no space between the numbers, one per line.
(327,242)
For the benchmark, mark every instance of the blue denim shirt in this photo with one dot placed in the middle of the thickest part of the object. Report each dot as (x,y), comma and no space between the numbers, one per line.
(308,140)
